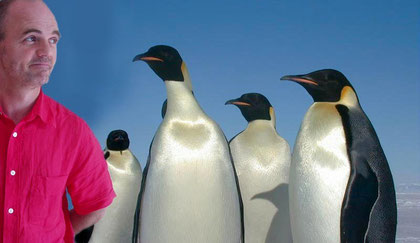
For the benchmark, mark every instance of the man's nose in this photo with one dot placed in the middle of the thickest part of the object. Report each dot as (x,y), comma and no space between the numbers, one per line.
(45,49)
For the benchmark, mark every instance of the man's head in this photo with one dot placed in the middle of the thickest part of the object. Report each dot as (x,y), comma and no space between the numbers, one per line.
(28,43)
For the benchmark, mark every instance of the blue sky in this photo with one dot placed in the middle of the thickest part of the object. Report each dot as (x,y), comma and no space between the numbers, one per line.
(236,47)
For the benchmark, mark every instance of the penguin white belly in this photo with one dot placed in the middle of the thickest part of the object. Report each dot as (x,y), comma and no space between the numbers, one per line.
(262,161)
(117,223)
(190,193)
(319,174)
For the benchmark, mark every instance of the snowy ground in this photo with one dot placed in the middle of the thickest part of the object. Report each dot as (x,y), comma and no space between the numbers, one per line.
(408,203)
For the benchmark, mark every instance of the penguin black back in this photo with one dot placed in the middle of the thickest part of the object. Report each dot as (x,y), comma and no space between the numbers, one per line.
(165,61)
(253,106)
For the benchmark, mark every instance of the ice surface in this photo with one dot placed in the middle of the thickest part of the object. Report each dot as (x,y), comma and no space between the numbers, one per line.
(408,203)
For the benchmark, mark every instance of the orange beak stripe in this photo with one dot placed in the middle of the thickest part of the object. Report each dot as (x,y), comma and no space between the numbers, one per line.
(241,103)
(302,80)
(151,59)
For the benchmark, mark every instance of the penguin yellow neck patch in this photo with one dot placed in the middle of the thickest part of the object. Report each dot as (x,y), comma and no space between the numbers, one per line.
(348,96)
(271,112)
(186,75)
(273,117)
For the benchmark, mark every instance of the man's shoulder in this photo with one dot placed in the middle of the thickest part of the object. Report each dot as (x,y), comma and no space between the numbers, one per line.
(62,114)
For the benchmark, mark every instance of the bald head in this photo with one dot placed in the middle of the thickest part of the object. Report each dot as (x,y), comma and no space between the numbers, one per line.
(5,5)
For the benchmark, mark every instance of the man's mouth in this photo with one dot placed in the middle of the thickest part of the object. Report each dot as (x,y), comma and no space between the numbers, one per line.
(41,65)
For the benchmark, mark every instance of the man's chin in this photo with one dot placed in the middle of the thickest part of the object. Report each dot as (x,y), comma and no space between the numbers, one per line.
(44,80)
(38,80)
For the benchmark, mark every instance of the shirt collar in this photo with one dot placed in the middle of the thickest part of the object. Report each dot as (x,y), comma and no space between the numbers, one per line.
(43,109)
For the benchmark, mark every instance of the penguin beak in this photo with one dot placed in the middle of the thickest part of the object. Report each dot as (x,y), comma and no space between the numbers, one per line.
(237,102)
(299,79)
(146,58)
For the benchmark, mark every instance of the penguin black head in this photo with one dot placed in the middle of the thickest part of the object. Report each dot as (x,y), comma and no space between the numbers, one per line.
(165,61)
(323,85)
(117,140)
(253,106)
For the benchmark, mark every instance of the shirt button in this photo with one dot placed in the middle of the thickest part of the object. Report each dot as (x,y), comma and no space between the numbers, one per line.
(11,210)
(15,134)
(12,172)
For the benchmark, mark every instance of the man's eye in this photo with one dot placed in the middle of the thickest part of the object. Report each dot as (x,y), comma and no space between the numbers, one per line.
(30,39)
(53,40)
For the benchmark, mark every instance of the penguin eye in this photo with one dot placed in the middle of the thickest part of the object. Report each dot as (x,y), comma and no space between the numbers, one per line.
(166,56)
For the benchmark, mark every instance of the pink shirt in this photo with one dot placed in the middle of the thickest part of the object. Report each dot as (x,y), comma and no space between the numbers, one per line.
(49,151)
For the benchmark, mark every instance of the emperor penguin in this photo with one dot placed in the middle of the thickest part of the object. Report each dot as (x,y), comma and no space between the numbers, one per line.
(262,162)
(341,188)
(189,189)
(126,175)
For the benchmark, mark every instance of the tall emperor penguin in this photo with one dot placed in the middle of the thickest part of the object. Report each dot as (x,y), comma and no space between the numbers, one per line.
(262,161)
(189,190)
(341,187)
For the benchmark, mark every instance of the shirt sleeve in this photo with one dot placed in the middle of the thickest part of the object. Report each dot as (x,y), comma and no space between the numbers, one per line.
(89,183)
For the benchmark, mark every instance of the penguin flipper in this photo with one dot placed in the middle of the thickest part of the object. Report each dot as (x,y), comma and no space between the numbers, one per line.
(136,223)
(362,187)
(365,151)
(361,195)
(84,235)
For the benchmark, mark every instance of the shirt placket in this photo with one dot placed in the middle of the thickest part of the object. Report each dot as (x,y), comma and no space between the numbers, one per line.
(11,200)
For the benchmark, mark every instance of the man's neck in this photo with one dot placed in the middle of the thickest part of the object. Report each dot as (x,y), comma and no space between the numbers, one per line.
(16,104)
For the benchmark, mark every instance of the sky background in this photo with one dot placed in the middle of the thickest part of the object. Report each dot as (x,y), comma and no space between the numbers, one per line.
(237,47)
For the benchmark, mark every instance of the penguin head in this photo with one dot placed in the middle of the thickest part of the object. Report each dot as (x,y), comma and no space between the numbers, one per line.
(117,140)
(253,106)
(165,61)
(323,85)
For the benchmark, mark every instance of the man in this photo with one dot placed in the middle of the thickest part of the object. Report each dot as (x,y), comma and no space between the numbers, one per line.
(44,148)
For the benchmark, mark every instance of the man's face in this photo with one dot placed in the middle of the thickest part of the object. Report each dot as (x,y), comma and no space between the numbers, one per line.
(29,50)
